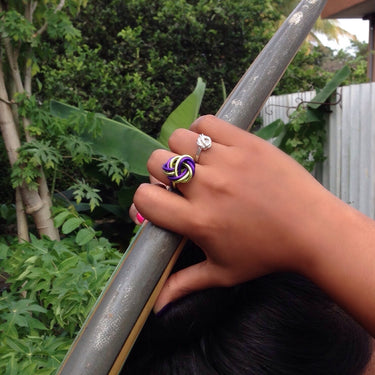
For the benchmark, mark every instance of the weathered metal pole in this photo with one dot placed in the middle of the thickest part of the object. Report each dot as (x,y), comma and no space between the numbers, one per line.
(112,327)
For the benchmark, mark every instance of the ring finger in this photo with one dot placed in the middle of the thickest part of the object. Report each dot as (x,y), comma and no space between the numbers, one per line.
(159,158)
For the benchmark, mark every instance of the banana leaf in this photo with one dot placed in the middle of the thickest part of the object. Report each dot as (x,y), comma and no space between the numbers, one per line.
(184,114)
(120,139)
(117,139)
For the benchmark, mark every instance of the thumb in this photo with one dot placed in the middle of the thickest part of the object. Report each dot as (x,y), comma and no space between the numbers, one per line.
(200,276)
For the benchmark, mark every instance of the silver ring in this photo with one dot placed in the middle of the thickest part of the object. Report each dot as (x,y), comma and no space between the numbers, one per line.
(204,143)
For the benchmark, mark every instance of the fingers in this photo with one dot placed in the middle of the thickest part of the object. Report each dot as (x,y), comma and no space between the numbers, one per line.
(155,167)
(135,215)
(155,164)
(183,141)
(220,131)
(162,207)
(191,279)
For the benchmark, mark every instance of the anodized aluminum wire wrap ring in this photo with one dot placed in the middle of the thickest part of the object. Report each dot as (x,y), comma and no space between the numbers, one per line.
(179,169)
(204,142)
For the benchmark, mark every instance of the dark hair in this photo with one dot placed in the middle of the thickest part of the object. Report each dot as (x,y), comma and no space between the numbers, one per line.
(278,324)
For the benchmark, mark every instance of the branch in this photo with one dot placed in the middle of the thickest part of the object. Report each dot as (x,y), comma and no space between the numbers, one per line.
(60,6)
(44,27)
(30,9)
(13,64)
(33,6)
(28,74)
(7,101)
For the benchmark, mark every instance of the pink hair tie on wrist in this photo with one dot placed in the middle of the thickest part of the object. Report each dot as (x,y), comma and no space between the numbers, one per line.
(140,218)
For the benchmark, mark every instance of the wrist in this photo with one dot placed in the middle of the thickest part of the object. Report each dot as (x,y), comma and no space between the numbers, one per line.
(328,235)
(340,258)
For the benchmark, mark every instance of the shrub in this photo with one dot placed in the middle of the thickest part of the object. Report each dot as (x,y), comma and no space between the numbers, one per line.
(50,288)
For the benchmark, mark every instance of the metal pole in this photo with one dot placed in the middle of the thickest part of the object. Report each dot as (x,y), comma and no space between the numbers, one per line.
(112,327)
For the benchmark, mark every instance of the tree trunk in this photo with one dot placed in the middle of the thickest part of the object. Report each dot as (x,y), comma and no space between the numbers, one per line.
(22,227)
(36,206)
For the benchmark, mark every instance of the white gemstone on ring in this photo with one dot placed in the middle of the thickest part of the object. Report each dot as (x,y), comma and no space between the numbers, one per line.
(204,143)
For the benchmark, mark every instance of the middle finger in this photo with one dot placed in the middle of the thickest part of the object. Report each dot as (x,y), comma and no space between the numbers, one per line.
(183,141)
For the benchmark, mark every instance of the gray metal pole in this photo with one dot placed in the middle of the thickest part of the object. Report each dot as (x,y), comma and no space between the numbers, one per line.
(116,313)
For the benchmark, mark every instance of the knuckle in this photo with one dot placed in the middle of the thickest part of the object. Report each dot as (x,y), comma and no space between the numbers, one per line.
(201,123)
(140,194)
(176,135)
(154,157)
(156,153)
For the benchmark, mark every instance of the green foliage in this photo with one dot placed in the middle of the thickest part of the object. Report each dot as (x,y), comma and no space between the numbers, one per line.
(303,136)
(32,355)
(100,153)
(139,59)
(305,72)
(356,58)
(24,29)
(184,114)
(81,190)
(114,168)
(51,289)
(80,151)
(59,143)
(323,95)
(124,147)
(15,26)
(32,156)
(7,212)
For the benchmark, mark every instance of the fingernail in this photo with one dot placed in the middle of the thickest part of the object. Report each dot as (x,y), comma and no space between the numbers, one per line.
(140,218)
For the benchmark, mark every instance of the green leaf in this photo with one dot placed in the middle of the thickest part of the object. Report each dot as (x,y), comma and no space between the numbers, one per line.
(68,263)
(84,235)
(184,114)
(330,87)
(81,190)
(3,251)
(272,130)
(71,224)
(312,115)
(114,168)
(280,138)
(79,150)
(16,345)
(118,140)
(61,217)
(32,259)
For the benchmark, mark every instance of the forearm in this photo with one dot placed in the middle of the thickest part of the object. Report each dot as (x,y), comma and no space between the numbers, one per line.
(342,259)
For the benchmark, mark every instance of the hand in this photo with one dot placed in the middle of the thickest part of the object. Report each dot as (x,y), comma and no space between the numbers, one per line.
(251,208)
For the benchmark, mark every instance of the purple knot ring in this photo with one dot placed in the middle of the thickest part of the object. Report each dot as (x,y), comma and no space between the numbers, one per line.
(204,143)
(179,169)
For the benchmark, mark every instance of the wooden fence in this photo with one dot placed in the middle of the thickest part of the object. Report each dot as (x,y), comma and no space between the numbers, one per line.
(349,170)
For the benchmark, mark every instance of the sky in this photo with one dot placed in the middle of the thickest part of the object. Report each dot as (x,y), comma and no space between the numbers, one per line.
(356,26)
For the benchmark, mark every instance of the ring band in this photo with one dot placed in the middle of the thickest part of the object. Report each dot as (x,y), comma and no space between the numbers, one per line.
(179,169)
(204,143)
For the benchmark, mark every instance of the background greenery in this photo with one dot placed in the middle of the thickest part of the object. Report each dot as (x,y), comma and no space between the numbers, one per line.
(140,59)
